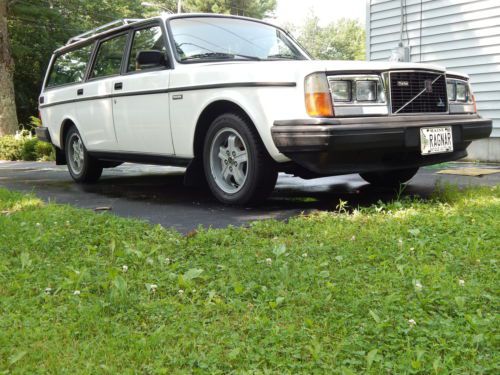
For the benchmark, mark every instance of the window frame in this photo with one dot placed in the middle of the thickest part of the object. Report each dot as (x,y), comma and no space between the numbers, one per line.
(52,63)
(95,42)
(166,41)
(178,60)
(97,46)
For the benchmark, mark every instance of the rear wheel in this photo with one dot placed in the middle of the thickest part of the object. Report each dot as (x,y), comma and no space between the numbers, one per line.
(389,178)
(237,166)
(82,167)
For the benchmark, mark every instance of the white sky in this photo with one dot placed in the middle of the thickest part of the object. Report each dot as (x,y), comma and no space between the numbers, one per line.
(295,11)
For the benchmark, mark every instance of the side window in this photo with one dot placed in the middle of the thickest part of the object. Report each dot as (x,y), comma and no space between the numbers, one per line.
(70,67)
(150,39)
(109,56)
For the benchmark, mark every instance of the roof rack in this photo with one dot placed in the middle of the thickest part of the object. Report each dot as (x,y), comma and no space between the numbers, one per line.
(110,25)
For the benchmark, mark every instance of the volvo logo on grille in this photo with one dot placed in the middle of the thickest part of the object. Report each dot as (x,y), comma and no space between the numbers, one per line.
(428,85)
(403,83)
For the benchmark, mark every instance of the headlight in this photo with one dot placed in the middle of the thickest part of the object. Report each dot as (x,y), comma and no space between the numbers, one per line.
(452,92)
(357,89)
(460,96)
(461,92)
(341,91)
(358,95)
(458,91)
(366,91)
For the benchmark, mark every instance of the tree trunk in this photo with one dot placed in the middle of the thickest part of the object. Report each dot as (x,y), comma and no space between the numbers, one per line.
(8,115)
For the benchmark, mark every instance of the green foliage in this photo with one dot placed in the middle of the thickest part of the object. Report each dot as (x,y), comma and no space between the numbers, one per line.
(248,8)
(38,27)
(25,147)
(34,122)
(44,151)
(10,148)
(341,40)
(28,150)
(409,287)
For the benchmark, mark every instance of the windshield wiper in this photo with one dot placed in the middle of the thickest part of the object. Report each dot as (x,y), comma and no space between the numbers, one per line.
(282,57)
(219,55)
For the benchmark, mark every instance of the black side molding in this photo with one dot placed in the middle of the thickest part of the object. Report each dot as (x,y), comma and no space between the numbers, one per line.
(135,157)
(174,89)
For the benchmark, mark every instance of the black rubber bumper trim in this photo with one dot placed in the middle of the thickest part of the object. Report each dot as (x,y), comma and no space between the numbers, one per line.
(371,133)
(43,134)
(141,158)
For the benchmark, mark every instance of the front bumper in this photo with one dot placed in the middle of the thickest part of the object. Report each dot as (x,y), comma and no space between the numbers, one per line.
(354,145)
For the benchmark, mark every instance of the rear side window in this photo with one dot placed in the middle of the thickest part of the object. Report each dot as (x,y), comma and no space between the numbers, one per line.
(109,57)
(145,40)
(70,67)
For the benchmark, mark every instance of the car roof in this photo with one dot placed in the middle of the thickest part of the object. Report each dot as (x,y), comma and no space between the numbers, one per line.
(75,42)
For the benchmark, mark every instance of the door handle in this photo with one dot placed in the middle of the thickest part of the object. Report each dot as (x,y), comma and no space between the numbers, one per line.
(118,85)
(79,92)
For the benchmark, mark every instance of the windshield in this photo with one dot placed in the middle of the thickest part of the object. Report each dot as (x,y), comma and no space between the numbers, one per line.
(199,39)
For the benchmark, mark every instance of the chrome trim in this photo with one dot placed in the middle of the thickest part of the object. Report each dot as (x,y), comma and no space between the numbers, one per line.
(466,83)
(360,108)
(358,77)
(344,108)
(457,108)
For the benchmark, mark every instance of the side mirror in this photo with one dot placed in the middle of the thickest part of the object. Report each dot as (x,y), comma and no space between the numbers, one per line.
(150,59)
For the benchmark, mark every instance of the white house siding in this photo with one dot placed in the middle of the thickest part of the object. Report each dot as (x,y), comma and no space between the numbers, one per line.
(463,35)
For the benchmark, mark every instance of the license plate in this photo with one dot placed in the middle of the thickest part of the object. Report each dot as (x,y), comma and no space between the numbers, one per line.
(436,140)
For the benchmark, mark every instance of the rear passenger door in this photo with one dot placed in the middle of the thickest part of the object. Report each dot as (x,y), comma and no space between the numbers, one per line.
(140,97)
(94,103)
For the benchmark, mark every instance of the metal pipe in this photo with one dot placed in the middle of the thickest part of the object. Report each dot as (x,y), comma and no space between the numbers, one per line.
(402,24)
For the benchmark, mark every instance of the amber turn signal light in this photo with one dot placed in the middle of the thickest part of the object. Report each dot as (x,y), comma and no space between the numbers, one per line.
(319,104)
(317,96)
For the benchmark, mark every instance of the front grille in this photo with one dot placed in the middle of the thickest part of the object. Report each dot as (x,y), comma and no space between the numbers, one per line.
(405,86)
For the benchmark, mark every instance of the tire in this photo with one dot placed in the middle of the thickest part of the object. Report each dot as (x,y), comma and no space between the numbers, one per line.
(237,167)
(82,167)
(389,178)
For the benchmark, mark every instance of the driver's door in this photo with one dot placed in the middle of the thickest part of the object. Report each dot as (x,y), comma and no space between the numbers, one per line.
(140,99)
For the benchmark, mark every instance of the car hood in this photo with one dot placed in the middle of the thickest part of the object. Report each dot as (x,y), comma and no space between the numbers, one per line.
(281,70)
(334,65)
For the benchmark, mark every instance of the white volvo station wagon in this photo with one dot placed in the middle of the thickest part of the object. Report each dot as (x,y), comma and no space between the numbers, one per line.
(237,100)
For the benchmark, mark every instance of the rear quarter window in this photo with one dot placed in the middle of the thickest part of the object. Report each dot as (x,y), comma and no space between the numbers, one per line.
(70,67)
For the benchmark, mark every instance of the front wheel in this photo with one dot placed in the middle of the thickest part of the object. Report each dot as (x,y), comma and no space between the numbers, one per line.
(389,178)
(237,166)
(82,167)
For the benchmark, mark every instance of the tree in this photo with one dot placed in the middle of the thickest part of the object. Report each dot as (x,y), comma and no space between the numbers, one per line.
(248,8)
(38,27)
(8,116)
(341,40)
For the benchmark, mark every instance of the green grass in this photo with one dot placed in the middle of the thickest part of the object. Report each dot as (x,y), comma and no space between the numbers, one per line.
(331,293)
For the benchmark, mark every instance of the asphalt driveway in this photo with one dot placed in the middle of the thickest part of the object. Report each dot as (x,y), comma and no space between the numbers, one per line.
(158,195)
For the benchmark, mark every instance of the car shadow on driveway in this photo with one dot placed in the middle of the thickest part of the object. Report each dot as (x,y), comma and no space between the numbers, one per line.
(158,195)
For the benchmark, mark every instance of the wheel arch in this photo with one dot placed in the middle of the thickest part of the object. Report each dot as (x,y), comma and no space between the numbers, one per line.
(209,114)
(65,126)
